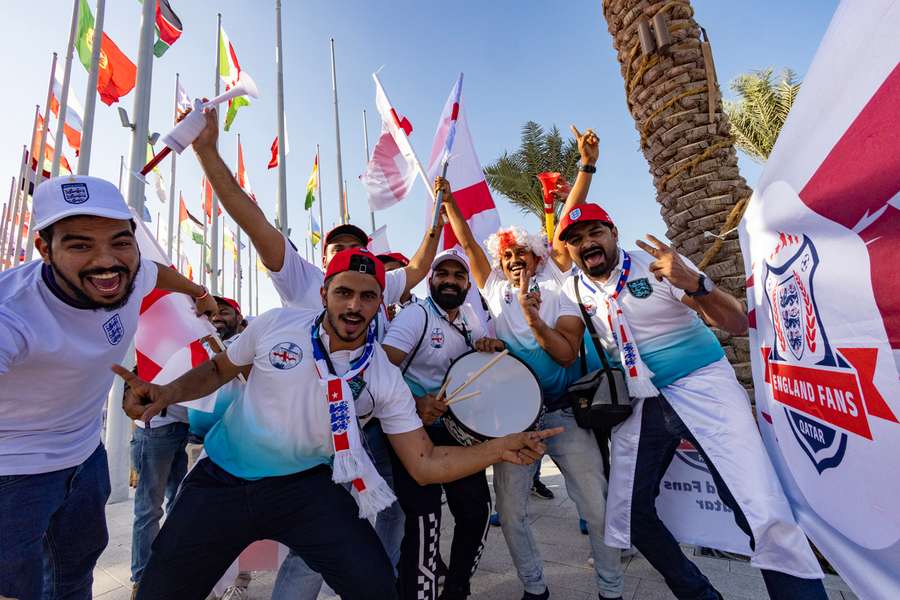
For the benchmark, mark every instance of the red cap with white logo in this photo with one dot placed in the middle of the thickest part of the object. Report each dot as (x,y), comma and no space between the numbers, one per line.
(359,260)
(582,214)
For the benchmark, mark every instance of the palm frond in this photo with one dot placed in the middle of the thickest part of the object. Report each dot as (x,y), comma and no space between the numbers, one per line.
(760,111)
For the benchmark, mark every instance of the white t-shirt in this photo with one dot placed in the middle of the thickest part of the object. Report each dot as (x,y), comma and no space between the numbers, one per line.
(54,369)
(510,325)
(280,425)
(670,336)
(299,282)
(442,344)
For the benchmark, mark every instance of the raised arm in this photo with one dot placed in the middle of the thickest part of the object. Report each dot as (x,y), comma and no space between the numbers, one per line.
(427,463)
(589,148)
(171,280)
(420,263)
(267,240)
(478,263)
(561,340)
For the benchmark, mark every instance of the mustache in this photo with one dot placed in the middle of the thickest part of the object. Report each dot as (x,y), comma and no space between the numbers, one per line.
(518,263)
(352,315)
(449,286)
(102,271)
(592,249)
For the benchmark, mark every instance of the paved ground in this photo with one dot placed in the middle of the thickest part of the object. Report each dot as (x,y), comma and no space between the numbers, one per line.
(564,549)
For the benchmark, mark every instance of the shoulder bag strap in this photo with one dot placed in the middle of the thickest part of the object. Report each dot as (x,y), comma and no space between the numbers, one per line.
(415,349)
(589,323)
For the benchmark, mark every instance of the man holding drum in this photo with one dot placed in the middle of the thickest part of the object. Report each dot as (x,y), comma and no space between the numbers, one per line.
(424,339)
(543,328)
(281,456)
(646,305)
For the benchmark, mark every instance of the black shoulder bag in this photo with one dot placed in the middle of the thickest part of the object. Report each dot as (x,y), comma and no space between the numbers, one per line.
(599,399)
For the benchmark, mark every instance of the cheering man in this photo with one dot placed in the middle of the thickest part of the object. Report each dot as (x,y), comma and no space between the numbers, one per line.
(63,320)
(277,458)
(646,306)
(425,339)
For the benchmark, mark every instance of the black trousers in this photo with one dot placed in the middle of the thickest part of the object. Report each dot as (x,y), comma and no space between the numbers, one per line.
(217,515)
(469,500)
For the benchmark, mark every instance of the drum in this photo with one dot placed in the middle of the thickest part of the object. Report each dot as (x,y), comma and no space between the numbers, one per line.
(510,399)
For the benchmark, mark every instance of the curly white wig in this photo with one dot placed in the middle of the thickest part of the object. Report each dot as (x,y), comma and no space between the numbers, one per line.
(515,236)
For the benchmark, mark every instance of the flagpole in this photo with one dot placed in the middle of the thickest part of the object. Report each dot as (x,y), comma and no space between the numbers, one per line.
(214,229)
(337,134)
(237,267)
(203,255)
(90,96)
(172,182)
(64,101)
(366,139)
(256,285)
(7,214)
(178,247)
(249,280)
(281,216)
(346,202)
(39,170)
(321,208)
(15,216)
(22,197)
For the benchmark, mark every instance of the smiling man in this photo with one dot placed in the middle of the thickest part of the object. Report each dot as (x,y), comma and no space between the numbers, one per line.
(281,459)
(63,319)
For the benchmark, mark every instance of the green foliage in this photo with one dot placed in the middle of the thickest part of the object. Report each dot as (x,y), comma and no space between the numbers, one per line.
(515,175)
(760,111)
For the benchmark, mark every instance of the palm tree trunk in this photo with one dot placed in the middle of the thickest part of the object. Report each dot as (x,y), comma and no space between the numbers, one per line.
(685,137)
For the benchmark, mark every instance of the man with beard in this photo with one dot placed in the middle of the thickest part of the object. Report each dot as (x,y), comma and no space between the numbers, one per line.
(298,282)
(646,306)
(280,458)
(543,328)
(425,339)
(63,320)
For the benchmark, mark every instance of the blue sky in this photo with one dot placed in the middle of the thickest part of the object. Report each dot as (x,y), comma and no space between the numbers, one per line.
(551,62)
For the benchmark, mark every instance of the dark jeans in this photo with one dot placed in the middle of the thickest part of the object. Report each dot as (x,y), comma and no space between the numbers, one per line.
(217,515)
(661,432)
(159,458)
(52,530)
(469,501)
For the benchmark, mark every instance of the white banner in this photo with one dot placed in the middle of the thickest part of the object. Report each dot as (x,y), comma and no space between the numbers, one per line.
(821,239)
(689,505)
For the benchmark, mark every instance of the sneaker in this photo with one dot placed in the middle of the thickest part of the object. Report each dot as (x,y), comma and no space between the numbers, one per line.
(541,491)
(235,592)
(495,519)
(544,596)
(582,525)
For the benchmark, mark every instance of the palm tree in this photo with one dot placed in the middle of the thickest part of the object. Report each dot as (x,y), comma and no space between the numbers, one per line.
(673,96)
(515,175)
(761,110)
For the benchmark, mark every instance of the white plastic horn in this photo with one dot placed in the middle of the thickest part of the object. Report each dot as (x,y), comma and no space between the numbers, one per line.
(245,86)
(187,130)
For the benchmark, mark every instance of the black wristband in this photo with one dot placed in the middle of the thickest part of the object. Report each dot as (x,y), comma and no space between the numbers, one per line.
(587,168)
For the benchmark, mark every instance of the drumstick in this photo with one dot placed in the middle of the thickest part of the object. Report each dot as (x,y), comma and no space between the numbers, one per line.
(443,389)
(455,399)
(479,372)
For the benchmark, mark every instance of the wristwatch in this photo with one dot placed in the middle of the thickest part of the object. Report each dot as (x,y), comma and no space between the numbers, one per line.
(587,168)
(704,286)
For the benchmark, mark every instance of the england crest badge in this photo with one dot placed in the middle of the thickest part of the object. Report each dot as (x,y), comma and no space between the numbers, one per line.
(640,288)
(114,329)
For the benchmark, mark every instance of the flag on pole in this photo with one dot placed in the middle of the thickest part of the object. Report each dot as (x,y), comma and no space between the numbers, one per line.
(315,230)
(312,184)
(273,159)
(49,149)
(229,72)
(208,200)
(189,224)
(169,337)
(185,267)
(73,126)
(391,171)
(378,241)
(117,74)
(464,172)
(820,239)
(183,102)
(241,174)
(228,241)
(168,28)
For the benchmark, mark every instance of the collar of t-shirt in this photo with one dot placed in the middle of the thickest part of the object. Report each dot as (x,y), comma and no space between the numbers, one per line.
(460,324)
(340,359)
(609,285)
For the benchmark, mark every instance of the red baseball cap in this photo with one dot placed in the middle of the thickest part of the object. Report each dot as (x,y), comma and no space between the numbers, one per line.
(393,257)
(347,229)
(232,303)
(581,214)
(359,260)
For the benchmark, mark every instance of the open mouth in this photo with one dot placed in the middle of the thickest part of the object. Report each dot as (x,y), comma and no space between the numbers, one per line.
(107,285)
(352,323)
(593,257)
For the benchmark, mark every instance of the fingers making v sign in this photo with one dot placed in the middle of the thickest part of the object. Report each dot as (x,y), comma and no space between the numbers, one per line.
(669,264)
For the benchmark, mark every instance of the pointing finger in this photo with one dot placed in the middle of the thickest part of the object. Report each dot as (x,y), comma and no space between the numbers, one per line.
(647,248)
(576,132)
(129,377)
(659,244)
(543,434)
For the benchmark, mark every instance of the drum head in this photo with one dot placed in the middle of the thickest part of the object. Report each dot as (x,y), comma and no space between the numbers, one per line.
(510,400)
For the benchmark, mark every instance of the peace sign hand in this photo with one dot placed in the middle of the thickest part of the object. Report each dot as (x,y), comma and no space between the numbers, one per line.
(142,400)
(588,145)
(669,265)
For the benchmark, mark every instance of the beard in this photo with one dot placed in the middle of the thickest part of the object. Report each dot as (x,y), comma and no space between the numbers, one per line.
(226,330)
(604,268)
(86,301)
(336,322)
(448,296)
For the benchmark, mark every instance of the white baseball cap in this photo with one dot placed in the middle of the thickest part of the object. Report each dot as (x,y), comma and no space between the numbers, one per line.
(68,196)
(451,254)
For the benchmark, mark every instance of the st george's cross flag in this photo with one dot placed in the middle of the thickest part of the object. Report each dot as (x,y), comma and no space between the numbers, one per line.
(391,170)
(170,337)
(820,240)
(453,142)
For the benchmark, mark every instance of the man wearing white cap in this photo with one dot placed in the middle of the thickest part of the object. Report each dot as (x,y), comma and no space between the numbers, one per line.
(63,320)
(424,340)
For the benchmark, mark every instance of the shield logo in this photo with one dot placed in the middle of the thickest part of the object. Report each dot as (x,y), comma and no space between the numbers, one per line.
(437,338)
(75,193)
(114,329)
(285,355)
(640,288)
